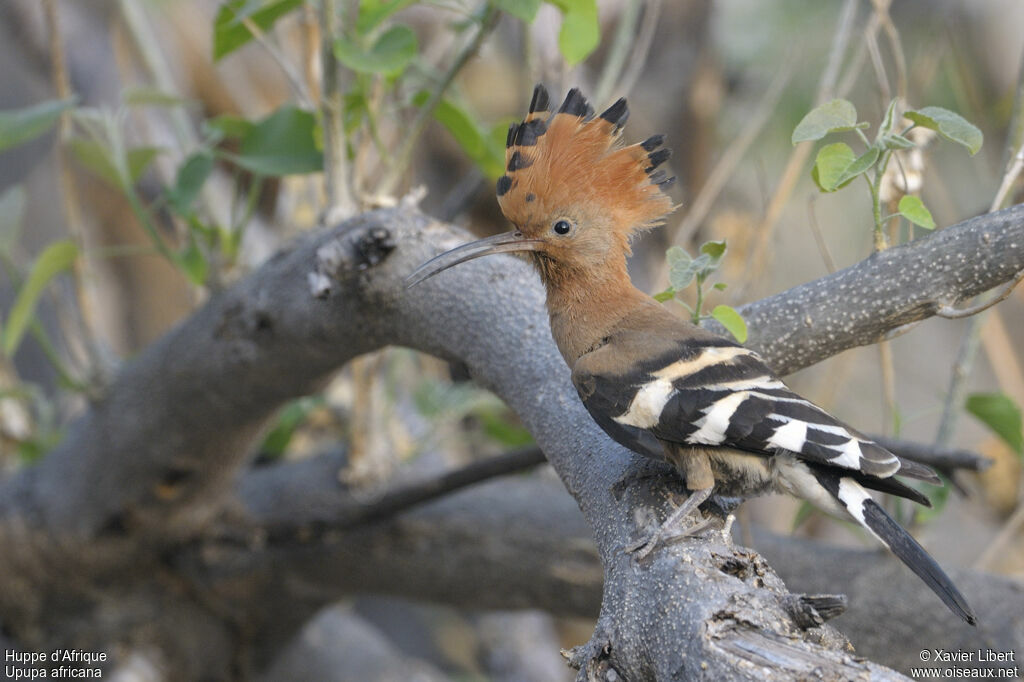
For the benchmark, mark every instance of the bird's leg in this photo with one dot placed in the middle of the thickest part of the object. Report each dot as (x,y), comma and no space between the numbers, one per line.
(669,529)
(696,467)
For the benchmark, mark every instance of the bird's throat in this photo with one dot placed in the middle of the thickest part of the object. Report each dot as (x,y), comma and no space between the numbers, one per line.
(585,309)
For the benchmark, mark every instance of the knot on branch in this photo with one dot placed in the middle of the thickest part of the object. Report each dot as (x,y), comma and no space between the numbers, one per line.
(355,251)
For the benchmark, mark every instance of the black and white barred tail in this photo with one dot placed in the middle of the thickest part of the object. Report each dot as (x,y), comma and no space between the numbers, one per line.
(856,503)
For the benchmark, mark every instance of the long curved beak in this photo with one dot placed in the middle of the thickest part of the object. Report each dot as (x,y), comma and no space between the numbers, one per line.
(499,243)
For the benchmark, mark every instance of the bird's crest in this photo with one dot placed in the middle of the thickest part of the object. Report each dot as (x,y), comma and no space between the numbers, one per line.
(572,158)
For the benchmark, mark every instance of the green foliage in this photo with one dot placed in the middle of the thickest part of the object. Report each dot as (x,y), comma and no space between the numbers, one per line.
(389,55)
(153,97)
(482,146)
(683,269)
(283,143)
(120,171)
(581,33)
(288,421)
(732,321)
(441,401)
(950,125)
(914,210)
(1000,413)
(55,259)
(836,164)
(189,180)
(836,116)
(831,164)
(18,126)
(525,10)
(373,12)
(229,29)
(12,214)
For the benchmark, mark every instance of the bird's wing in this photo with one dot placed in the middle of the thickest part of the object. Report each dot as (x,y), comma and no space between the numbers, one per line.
(710,391)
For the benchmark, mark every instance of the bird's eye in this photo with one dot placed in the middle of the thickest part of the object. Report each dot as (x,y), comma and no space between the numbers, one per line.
(562,227)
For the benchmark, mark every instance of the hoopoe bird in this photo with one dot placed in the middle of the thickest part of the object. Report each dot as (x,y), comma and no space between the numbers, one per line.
(660,385)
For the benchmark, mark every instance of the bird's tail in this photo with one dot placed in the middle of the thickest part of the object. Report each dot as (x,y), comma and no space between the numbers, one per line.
(852,497)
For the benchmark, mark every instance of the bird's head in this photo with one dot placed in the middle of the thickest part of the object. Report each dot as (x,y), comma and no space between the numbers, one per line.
(575,194)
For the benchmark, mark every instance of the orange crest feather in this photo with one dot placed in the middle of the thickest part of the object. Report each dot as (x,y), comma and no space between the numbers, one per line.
(572,158)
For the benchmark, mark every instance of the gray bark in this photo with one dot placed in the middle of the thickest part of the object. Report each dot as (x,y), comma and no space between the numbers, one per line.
(115,521)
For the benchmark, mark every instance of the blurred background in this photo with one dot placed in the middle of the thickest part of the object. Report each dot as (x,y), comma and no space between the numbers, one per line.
(154,151)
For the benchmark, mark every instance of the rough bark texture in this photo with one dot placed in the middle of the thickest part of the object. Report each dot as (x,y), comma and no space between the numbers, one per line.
(129,532)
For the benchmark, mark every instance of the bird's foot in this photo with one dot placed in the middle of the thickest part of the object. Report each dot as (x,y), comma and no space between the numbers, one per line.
(669,530)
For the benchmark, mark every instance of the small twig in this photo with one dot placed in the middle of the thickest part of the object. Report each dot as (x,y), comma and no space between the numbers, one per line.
(819,238)
(765,230)
(336,170)
(888,386)
(940,457)
(294,80)
(405,496)
(616,58)
(642,46)
(726,165)
(84,317)
(895,44)
(1005,534)
(403,157)
(952,313)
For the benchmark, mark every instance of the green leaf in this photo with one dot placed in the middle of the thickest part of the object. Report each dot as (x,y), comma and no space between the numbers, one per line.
(720,286)
(732,321)
(289,419)
(681,268)
(373,12)
(836,116)
(392,52)
(1001,414)
(281,144)
(666,295)
(830,164)
(859,165)
(675,254)
(526,10)
(229,33)
(228,125)
(118,173)
(18,126)
(193,263)
(803,512)
(895,141)
(12,214)
(714,250)
(581,32)
(478,144)
(889,120)
(500,428)
(949,125)
(55,259)
(189,180)
(914,210)
(147,96)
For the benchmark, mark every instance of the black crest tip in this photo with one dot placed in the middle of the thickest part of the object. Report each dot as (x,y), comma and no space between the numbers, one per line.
(504,185)
(539,101)
(529,132)
(617,113)
(513,130)
(518,161)
(576,104)
(657,158)
(652,142)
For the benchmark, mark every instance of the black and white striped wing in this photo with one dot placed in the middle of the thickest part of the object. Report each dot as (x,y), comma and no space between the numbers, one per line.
(719,393)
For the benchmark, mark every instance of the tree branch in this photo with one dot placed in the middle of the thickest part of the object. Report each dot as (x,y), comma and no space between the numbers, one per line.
(144,471)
